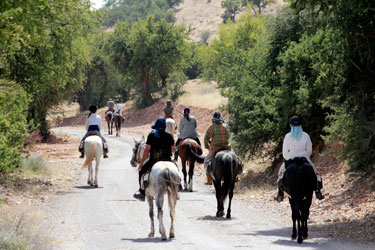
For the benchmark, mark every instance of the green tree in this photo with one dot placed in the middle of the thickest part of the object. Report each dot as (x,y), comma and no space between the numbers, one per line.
(256,5)
(231,8)
(49,56)
(13,125)
(147,53)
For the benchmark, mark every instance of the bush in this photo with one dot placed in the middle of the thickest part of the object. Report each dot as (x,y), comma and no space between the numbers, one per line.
(13,125)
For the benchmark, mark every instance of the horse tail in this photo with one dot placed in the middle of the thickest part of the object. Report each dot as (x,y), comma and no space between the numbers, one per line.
(227,163)
(193,154)
(90,156)
(172,181)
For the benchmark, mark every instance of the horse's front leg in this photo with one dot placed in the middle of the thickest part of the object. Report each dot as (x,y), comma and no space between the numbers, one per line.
(230,200)
(150,201)
(183,162)
(294,218)
(159,204)
(299,232)
(191,173)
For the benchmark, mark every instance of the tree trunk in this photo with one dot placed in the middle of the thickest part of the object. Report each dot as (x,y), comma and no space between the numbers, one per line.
(163,81)
(147,99)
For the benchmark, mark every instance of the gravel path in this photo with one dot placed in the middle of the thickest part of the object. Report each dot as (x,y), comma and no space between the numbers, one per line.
(109,218)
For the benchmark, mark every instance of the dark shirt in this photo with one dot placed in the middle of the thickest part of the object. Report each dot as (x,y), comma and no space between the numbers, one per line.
(161,148)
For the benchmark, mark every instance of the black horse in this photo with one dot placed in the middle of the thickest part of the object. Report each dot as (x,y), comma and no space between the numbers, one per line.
(225,167)
(299,182)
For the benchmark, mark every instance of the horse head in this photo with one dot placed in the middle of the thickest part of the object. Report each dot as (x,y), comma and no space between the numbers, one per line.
(138,149)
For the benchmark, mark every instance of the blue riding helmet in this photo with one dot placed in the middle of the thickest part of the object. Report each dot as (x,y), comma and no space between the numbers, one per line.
(159,123)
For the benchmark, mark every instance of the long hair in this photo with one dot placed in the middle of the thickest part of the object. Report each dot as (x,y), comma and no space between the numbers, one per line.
(296,132)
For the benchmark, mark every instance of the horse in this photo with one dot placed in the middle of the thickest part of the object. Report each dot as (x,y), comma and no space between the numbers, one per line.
(163,178)
(299,182)
(189,150)
(108,118)
(225,167)
(170,126)
(117,119)
(93,150)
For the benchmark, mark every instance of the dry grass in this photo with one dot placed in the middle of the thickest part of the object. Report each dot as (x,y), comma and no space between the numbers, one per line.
(20,228)
(202,94)
(66,110)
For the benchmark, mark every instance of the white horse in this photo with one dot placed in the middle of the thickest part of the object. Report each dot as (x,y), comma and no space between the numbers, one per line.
(170,126)
(93,149)
(163,178)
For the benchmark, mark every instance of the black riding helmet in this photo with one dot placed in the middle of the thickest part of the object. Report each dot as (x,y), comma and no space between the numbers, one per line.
(217,115)
(295,121)
(93,108)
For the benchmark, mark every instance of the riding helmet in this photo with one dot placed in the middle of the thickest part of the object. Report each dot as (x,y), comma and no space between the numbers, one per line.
(93,108)
(186,110)
(117,100)
(296,121)
(217,115)
(159,123)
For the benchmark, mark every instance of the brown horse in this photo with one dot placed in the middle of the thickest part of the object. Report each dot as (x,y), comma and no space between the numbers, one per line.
(108,118)
(188,150)
(117,119)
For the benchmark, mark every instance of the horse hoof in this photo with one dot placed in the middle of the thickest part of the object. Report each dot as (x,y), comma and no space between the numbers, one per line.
(294,237)
(300,240)
(190,190)
(171,235)
(96,185)
(305,237)
(163,237)
(151,235)
(228,216)
(220,214)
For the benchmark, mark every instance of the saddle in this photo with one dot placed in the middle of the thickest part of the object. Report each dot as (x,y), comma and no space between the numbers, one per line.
(92,133)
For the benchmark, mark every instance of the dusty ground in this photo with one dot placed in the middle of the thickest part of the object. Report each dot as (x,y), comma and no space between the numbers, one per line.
(346,213)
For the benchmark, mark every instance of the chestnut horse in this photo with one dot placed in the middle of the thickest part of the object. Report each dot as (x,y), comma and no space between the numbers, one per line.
(117,119)
(189,151)
(108,118)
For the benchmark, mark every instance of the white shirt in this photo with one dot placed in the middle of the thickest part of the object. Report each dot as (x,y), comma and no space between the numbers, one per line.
(94,119)
(118,108)
(297,148)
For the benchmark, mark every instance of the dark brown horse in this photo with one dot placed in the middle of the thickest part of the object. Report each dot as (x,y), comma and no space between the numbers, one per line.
(188,150)
(225,167)
(108,118)
(117,119)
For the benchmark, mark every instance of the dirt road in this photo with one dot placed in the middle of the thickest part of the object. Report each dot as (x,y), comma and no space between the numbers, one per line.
(109,218)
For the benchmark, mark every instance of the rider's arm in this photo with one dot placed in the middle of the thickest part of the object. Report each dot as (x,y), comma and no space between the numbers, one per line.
(87,123)
(286,148)
(100,123)
(208,136)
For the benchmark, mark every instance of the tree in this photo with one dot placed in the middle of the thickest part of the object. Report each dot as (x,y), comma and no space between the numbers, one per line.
(147,53)
(231,8)
(48,57)
(256,5)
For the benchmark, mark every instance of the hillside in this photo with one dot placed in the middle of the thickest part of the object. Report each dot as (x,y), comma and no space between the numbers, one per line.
(205,16)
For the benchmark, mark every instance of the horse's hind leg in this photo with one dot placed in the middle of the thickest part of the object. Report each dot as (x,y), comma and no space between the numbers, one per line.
(220,204)
(97,162)
(89,179)
(191,173)
(150,201)
(230,200)
(159,204)
(172,203)
(183,162)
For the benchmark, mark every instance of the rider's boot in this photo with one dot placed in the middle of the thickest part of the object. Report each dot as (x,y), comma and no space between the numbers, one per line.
(105,150)
(140,195)
(319,195)
(280,195)
(175,155)
(81,149)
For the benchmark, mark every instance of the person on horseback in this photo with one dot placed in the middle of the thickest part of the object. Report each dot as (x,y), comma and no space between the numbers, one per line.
(216,139)
(297,143)
(159,147)
(110,105)
(93,126)
(188,129)
(118,110)
(168,110)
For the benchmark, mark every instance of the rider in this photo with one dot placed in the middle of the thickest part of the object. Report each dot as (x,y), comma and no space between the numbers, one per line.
(168,110)
(93,126)
(159,146)
(188,129)
(118,110)
(297,143)
(110,105)
(215,140)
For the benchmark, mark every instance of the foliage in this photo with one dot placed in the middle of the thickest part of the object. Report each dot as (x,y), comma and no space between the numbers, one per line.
(131,11)
(231,8)
(13,125)
(147,52)
(48,56)
(256,5)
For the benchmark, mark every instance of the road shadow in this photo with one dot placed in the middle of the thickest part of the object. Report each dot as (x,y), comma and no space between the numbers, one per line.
(148,240)
(86,187)
(214,218)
